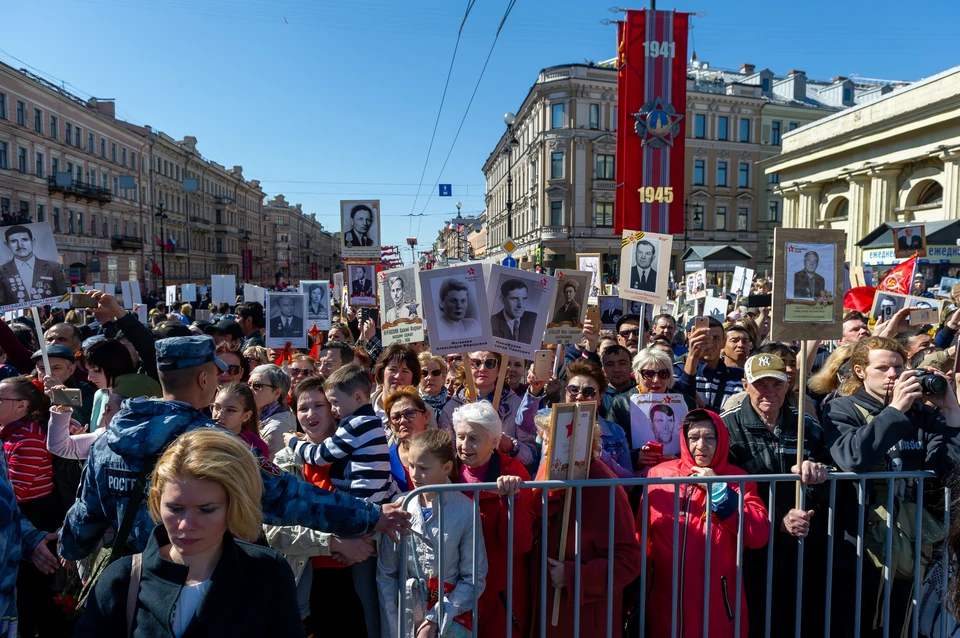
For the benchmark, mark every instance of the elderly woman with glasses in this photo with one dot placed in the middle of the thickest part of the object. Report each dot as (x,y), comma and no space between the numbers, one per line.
(238,369)
(433,373)
(519,438)
(270,384)
(408,416)
(653,371)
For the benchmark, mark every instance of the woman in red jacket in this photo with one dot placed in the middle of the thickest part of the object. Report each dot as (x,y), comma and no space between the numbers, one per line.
(703,452)
(478,432)
(594,553)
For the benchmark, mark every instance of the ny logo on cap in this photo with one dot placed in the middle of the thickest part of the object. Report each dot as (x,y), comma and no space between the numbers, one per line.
(763,360)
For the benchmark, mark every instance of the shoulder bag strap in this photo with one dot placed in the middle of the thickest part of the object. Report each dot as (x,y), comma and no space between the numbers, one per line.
(133,591)
(133,506)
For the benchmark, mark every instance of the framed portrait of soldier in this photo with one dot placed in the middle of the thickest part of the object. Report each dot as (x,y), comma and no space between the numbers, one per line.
(30,269)
(592,263)
(611,309)
(360,229)
(908,240)
(520,301)
(569,307)
(887,304)
(807,284)
(456,313)
(362,290)
(286,319)
(657,418)
(401,310)
(318,302)
(645,266)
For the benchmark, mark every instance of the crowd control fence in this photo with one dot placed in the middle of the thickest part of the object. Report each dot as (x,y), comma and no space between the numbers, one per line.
(777,482)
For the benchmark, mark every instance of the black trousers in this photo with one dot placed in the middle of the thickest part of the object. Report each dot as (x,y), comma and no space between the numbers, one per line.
(334,605)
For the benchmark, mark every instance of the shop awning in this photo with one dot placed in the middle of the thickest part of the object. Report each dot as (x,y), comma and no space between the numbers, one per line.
(941,236)
(715,258)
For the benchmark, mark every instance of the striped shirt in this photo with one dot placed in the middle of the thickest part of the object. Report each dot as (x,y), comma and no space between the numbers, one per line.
(29,461)
(713,386)
(358,456)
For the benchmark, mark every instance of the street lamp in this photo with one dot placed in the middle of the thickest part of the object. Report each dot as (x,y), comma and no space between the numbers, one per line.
(509,119)
(686,215)
(163,261)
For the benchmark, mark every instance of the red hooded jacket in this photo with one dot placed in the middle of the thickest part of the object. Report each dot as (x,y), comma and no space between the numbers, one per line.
(692,548)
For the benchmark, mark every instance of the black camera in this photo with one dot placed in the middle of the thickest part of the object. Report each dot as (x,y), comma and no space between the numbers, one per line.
(932,383)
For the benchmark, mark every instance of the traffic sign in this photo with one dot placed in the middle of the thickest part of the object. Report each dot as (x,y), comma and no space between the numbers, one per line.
(509,246)
(509,262)
(446,190)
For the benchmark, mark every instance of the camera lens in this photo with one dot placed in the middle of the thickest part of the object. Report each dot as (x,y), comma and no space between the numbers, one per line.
(932,383)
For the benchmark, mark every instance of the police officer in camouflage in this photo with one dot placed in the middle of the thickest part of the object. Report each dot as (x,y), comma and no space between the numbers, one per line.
(188,375)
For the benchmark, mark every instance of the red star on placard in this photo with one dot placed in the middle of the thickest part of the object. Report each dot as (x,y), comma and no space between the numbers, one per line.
(570,430)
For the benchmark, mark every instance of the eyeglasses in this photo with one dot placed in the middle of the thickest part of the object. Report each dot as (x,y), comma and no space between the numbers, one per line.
(489,364)
(432,373)
(629,333)
(233,370)
(10,399)
(251,359)
(296,372)
(406,415)
(585,391)
(260,386)
(660,374)
(454,357)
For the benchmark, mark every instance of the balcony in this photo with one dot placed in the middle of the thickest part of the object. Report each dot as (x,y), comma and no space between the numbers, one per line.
(224,228)
(79,190)
(126,242)
(554,232)
(218,199)
(604,184)
(201,223)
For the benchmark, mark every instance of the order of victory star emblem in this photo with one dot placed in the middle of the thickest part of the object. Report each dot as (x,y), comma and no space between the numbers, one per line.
(657,124)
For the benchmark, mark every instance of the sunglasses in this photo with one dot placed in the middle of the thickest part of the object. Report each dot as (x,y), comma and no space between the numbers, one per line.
(299,371)
(660,374)
(629,333)
(260,386)
(454,357)
(585,391)
(432,373)
(233,370)
(489,364)
(406,415)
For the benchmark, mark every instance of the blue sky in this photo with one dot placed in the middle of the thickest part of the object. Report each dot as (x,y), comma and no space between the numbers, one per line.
(326,100)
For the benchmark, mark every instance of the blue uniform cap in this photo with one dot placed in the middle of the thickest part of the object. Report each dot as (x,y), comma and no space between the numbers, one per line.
(178,353)
(58,351)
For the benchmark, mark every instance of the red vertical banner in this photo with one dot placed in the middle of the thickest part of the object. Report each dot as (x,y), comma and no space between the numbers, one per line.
(247,261)
(314,271)
(651,127)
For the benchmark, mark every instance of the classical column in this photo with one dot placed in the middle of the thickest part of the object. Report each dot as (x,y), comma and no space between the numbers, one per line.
(809,206)
(858,197)
(951,184)
(791,207)
(883,196)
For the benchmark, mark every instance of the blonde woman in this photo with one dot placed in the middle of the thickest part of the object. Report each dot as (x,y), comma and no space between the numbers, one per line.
(205,493)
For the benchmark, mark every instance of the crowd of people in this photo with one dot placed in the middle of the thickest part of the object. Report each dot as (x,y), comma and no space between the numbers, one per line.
(179,478)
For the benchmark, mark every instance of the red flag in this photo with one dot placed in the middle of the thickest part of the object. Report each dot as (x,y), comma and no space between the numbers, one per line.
(900,278)
(156,270)
(859,298)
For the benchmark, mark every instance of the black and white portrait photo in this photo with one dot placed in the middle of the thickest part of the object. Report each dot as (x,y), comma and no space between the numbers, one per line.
(887,304)
(455,308)
(318,303)
(590,262)
(810,271)
(360,234)
(285,319)
(573,293)
(400,306)
(520,304)
(611,309)
(30,270)
(646,257)
(362,289)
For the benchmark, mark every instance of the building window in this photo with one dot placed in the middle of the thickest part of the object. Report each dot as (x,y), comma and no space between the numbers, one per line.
(103,148)
(38,120)
(742,214)
(90,142)
(775,133)
(39,164)
(793,125)
(219,245)
(106,228)
(79,138)
(556,213)
(21,113)
(722,174)
(699,172)
(123,156)
(3,106)
(594,116)
(113,152)
(103,181)
(556,115)
(116,187)
(604,214)
(41,213)
(723,124)
(80,174)
(847,95)
(774,211)
(744,179)
(24,208)
(697,217)
(720,218)
(56,219)
(133,160)
(80,223)
(700,126)
(556,165)
(70,221)
(3,155)
(54,166)
(605,166)
(54,126)
(614,118)
(93,224)
(770,248)
(68,133)
(765,85)
(745,129)
(774,178)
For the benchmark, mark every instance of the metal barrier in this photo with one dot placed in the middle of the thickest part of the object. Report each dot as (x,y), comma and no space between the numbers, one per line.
(613,625)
